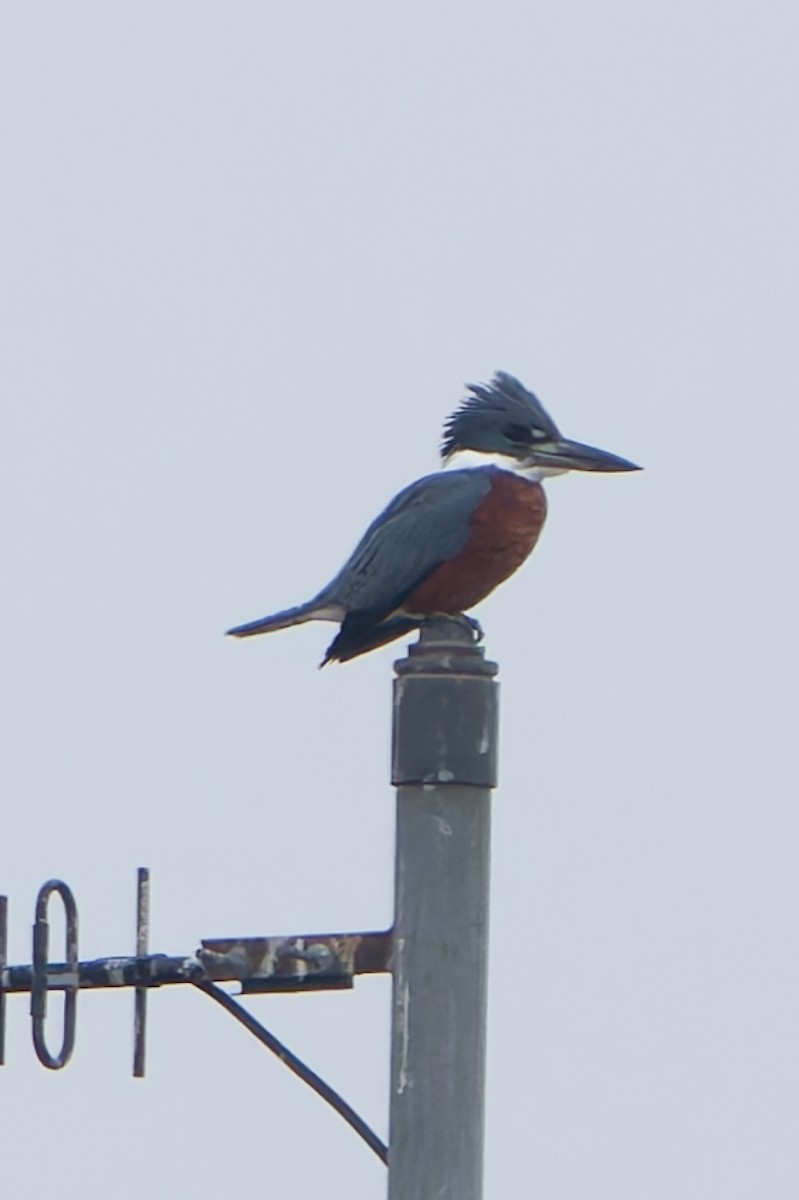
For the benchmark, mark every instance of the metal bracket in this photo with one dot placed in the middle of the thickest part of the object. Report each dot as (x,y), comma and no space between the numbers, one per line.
(292,964)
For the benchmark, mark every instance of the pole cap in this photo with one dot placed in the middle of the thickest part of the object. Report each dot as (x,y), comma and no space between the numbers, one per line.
(445,710)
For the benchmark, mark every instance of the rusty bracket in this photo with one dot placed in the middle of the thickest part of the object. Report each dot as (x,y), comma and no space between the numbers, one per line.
(298,963)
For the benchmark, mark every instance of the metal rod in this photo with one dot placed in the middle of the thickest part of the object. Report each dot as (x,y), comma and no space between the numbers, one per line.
(3,961)
(142,946)
(153,971)
(299,1068)
(444,767)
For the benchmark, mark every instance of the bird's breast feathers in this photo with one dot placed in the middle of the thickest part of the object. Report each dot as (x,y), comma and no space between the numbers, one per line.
(504,527)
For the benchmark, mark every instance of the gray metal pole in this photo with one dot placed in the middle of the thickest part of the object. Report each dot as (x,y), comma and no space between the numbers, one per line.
(444,767)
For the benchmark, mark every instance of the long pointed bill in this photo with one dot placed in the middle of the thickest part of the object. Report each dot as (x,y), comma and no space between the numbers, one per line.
(564,455)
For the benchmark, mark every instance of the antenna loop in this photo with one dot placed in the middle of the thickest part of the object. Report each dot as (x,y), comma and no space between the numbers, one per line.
(62,978)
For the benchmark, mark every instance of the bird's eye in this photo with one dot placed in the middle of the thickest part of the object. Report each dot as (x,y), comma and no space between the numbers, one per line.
(518,433)
(525,435)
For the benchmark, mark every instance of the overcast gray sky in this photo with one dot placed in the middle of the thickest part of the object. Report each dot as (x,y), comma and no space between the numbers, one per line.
(251,252)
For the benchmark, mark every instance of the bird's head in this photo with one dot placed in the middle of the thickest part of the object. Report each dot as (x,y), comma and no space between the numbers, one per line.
(502,422)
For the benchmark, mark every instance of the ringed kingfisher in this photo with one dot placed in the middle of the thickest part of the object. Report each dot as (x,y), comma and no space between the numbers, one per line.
(447,540)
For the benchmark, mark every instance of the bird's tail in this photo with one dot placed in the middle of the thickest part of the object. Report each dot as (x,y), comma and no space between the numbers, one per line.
(360,634)
(282,620)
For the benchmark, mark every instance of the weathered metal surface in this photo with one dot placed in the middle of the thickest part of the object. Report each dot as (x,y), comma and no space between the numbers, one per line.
(445,719)
(326,960)
(155,970)
(280,962)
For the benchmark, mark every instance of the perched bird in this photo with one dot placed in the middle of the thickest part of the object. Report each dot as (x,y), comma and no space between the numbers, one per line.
(448,539)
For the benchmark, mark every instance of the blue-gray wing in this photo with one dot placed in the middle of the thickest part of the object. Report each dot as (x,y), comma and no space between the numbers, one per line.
(424,526)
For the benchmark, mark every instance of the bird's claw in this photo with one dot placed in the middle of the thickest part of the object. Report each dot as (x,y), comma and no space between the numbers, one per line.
(473,626)
(476,628)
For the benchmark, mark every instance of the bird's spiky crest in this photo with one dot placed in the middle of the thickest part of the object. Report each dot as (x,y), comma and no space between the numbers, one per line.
(492,406)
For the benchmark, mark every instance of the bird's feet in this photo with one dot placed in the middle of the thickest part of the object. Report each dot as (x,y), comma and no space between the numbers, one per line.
(475,626)
(470,624)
